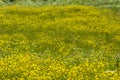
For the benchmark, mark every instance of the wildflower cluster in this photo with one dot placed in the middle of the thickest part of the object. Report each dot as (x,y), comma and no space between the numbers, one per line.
(58,42)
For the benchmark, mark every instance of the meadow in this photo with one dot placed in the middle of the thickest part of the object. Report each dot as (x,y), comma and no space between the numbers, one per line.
(70,42)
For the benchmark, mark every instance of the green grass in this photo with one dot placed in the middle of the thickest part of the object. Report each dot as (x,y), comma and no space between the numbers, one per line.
(59,42)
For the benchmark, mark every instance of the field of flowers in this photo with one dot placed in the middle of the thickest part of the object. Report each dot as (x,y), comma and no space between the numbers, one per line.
(59,43)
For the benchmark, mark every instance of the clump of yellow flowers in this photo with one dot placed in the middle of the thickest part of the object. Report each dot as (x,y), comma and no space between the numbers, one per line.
(58,43)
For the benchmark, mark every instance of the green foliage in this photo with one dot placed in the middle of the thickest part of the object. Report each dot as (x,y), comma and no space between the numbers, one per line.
(106,3)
